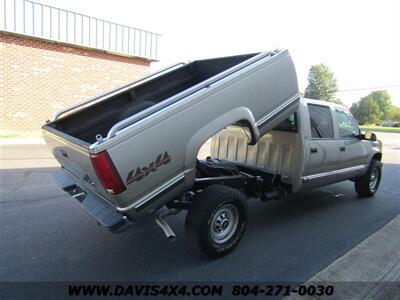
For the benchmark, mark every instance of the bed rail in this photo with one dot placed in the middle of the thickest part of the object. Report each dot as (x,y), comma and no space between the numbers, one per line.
(118,90)
(205,84)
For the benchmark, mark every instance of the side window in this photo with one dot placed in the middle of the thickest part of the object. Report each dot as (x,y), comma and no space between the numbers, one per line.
(347,127)
(289,124)
(321,121)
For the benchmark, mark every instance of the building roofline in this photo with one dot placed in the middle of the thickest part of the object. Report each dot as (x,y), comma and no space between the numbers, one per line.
(45,40)
(32,19)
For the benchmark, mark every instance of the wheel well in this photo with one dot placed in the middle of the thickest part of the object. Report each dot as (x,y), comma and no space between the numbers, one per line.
(246,123)
(377,156)
(200,138)
(242,123)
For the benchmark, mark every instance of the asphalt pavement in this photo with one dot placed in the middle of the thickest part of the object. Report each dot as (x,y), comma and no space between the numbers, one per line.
(371,270)
(46,236)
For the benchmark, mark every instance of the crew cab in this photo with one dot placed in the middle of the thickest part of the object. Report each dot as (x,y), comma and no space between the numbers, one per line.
(133,151)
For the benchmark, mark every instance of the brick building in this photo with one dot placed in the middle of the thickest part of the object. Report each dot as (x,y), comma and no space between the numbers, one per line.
(39,76)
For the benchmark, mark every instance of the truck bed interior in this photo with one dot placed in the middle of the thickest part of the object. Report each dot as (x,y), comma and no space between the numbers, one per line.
(276,152)
(86,123)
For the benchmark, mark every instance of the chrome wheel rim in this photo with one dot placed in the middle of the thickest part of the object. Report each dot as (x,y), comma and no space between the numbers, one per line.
(373,179)
(224,223)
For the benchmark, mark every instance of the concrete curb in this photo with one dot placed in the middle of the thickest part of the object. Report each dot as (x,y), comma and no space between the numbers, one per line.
(28,164)
(22,141)
(371,270)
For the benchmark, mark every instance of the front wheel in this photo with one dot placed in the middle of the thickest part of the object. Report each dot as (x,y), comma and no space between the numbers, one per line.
(367,185)
(216,220)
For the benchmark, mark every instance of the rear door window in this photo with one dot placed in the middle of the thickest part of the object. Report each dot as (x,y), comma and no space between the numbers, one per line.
(321,121)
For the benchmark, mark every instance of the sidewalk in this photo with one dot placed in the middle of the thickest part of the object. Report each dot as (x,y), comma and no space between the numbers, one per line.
(25,153)
(22,141)
(371,270)
(32,152)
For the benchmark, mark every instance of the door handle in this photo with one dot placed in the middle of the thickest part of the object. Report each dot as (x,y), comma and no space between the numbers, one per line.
(342,148)
(313,150)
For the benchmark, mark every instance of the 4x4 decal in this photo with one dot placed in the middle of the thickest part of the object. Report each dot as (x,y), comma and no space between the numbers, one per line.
(153,166)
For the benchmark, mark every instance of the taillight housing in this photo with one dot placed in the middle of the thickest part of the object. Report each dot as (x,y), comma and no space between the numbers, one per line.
(107,173)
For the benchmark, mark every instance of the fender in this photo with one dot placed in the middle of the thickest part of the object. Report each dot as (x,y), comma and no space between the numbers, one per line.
(376,148)
(240,114)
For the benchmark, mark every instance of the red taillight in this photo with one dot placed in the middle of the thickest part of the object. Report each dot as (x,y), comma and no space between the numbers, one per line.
(107,173)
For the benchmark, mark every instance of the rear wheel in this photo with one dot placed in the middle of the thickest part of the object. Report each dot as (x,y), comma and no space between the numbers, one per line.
(367,185)
(216,220)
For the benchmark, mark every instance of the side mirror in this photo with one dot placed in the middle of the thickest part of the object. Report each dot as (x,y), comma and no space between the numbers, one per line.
(370,136)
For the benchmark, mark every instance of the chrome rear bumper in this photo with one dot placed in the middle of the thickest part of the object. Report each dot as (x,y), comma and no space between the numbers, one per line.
(104,213)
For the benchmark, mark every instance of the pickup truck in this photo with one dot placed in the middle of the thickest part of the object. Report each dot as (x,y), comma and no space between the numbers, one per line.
(133,151)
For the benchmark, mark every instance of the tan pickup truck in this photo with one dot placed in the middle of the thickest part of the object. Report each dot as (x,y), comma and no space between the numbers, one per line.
(133,151)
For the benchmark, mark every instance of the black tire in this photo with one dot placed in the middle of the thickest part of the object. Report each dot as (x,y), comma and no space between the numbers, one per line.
(367,185)
(214,212)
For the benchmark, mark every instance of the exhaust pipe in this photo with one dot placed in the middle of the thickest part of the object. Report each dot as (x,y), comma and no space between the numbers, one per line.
(169,233)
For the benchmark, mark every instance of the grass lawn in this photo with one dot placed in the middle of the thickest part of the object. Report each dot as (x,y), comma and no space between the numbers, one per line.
(11,135)
(4,136)
(373,128)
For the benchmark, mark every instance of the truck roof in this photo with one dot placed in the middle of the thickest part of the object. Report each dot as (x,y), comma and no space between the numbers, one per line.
(321,102)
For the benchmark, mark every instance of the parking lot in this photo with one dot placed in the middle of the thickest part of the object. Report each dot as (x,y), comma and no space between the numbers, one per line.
(46,236)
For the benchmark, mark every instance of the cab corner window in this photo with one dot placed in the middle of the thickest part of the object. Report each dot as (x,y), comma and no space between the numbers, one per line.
(289,124)
(321,121)
(347,127)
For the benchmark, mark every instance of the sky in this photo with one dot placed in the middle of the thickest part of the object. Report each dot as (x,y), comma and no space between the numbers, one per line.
(358,40)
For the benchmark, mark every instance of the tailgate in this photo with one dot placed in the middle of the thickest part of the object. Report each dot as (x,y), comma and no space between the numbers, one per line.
(73,156)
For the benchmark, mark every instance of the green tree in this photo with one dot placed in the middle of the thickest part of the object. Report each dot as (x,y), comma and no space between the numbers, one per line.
(382,98)
(322,84)
(366,111)
(396,113)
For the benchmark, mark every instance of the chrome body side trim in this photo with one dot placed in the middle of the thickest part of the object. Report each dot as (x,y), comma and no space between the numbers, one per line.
(156,192)
(333,173)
